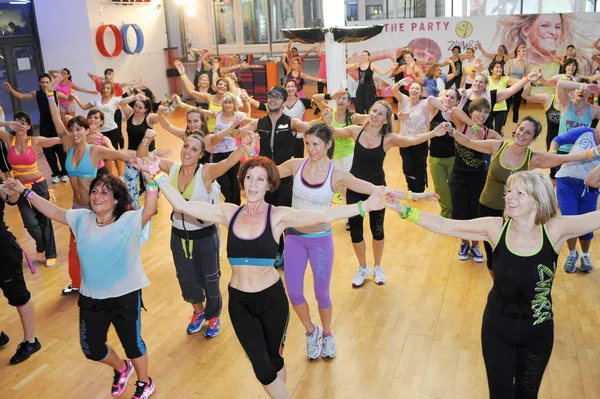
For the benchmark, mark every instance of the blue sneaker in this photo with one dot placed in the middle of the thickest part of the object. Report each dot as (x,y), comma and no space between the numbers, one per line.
(463,252)
(570,263)
(195,323)
(214,326)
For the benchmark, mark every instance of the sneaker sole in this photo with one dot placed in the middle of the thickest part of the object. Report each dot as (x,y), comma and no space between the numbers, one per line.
(324,356)
(571,271)
(380,282)
(195,331)
(480,260)
(585,270)
(463,257)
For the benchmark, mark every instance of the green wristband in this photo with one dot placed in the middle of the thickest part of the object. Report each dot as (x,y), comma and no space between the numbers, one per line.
(360,209)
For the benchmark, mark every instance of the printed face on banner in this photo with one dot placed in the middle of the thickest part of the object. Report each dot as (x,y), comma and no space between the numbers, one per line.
(431,40)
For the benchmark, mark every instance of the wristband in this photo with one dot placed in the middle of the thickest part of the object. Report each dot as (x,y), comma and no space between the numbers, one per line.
(409,195)
(551,151)
(153,170)
(596,99)
(50,93)
(160,179)
(360,209)
(596,153)
(411,214)
(182,77)
(50,98)
(253,153)
(581,85)
(28,194)
(474,127)
(151,187)
(589,153)
(448,113)
(327,97)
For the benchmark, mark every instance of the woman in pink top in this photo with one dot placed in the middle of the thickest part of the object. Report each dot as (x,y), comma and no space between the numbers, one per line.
(67,107)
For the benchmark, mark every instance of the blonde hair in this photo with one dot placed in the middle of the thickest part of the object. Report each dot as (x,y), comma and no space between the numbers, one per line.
(539,188)
(431,70)
(228,96)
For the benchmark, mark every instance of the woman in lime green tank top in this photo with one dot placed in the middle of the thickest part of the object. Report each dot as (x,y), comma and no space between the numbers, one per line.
(343,151)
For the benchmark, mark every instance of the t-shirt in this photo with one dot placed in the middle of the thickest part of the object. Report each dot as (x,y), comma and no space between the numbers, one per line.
(322,67)
(501,84)
(111,265)
(109,110)
(418,120)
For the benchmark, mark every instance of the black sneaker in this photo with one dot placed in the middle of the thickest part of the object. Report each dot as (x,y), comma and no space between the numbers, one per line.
(144,390)
(70,290)
(3,339)
(25,350)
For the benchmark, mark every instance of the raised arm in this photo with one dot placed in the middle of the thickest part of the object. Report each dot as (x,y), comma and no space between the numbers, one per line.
(543,99)
(213,170)
(189,86)
(84,106)
(485,53)
(310,77)
(73,86)
(61,130)
(19,95)
(125,101)
(164,122)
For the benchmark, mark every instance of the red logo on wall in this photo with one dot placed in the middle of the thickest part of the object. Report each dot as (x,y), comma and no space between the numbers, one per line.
(121,43)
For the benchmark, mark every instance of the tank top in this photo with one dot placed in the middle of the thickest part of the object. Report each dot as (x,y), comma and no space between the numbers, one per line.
(367,163)
(492,195)
(407,75)
(23,164)
(46,125)
(440,147)
(515,71)
(523,284)
(135,134)
(459,68)
(344,146)
(259,251)
(366,77)
(468,68)
(298,79)
(418,120)
(552,118)
(468,160)
(569,121)
(211,122)
(195,191)
(489,122)
(322,74)
(580,169)
(312,197)
(502,83)
(228,143)
(85,168)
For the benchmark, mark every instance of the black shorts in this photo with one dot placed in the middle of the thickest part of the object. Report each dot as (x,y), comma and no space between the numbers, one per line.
(96,316)
(12,281)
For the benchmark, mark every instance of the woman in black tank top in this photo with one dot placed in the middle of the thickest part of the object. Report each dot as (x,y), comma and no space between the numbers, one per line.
(517,333)
(366,94)
(372,143)
(139,120)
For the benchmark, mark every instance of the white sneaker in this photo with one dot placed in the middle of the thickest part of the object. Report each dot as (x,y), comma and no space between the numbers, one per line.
(329,347)
(359,277)
(65,179)
(56,179)
(379,275)
(313,346)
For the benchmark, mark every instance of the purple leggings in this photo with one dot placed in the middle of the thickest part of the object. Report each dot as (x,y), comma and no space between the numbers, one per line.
(299,248)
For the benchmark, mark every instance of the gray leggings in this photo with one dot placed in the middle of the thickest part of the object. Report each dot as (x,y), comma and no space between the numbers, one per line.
(198,270)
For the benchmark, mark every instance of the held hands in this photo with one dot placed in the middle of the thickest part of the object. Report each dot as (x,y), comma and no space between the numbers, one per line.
(534,75)
(249,142)
(14,186)
(149,163)
(380,198)
(442,129)
(162,110)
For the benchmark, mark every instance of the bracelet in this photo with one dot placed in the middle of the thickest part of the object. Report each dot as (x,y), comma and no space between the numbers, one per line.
(51,99)
(596,99)
(154,170)
(181,104)
(28,194)
(409,195)
(160,179)
(151,187)
(474,127)
(589,153)
(360,209)
(327,96)
(551,151)
(411,214)
(596,153)
(182,77)
(50,93)
(581,85)
(253,153)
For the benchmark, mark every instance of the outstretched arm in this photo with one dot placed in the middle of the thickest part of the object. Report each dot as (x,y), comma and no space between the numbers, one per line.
(19,95)
(46,207)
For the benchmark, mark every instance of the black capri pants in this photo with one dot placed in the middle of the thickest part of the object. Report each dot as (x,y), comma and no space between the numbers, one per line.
(515,353)
(414,166)
(114,137)
(96,316)
(12,281)
(465,190)
(260,322)
(230,187)
(376,219)
(366,95)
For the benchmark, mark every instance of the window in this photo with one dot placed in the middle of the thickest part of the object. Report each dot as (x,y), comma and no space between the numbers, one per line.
(225,21)
(409,9)
(254,15)
(313,13)
(351,10)
(16,19)
(375,12)
(554,6)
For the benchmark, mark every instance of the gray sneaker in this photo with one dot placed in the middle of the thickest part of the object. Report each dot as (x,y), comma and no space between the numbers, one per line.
(571,262)
(313,344)
(329,347)
(585,264)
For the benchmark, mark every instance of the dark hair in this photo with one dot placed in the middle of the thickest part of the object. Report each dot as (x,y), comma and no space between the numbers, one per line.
(456,47)
(203,129)
(479,104)
(198,135)
(260,162)
(537,126)
(584,80)
(108,70)
(119,190)
(470,48)
(95,111)
(493,64)
(504,48)
(517,48)
(291,80)
(147,104)
(570,61)
(349,114)
(45,75)
(294,48)
(222,79)
(455,92)
(570,46)
(68,72)
(367,51)
(80,121)
(408,52)
(19,116)
(148,93)
(323,132)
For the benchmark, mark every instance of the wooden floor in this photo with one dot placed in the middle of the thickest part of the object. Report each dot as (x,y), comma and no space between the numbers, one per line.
(416,337)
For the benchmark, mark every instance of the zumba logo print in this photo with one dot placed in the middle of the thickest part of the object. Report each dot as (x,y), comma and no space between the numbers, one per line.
(468,157)
(310,198)
(541,305)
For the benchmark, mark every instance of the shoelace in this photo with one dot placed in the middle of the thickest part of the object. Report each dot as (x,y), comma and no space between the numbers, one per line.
(140,389)
(195,317)
(212,323)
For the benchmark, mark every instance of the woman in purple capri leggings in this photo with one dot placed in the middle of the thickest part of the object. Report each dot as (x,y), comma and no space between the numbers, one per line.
(314,184)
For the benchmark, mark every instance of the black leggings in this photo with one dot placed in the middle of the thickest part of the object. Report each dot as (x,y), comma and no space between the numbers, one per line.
(113,136)
(366,95)
(515,353)
(498,118)
(485,211)
(454,81)
(376,219)
(55,155)
(516,102)
(465,190)
(119,122)
(414,166)
(260,322)
(230,186)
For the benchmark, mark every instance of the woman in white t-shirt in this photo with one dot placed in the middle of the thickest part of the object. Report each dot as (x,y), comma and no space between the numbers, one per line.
(109,237)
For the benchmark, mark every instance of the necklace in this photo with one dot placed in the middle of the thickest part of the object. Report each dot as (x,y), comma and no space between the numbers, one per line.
(100,224)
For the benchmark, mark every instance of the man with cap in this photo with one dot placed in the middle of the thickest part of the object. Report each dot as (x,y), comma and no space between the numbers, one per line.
(277,135)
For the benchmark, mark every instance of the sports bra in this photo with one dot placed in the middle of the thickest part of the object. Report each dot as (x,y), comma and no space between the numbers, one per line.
(25,164)
(259,251)
(85,168)
(66,90)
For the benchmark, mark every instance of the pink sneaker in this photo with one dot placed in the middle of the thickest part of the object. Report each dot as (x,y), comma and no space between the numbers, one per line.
(121,379)
(144,390)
